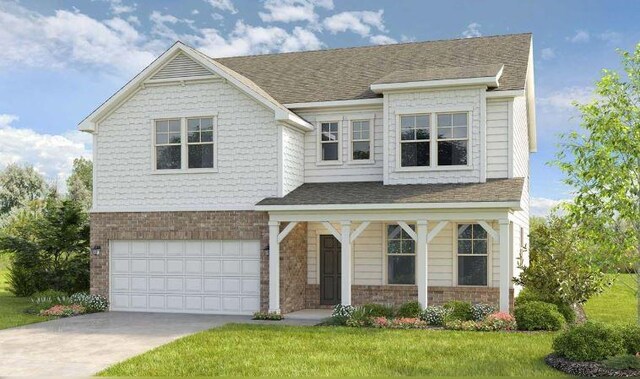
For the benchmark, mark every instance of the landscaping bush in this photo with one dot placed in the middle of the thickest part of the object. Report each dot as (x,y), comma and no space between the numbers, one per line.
(493,322)
(379,310)
(271,316)
(537,315)
(623,362)
(411,309)
(341,313)
(46,299)
(631,338)
(527,295)
(589,342)
(63,310)
(399,323)
(434,315)
(360,317)
(92,303)
(458,310)
(480,311)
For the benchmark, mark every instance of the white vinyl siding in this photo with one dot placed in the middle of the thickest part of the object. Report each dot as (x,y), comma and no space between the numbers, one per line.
(520,138)
(497,139)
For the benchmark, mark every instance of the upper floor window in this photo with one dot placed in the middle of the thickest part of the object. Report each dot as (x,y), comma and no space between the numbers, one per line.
(472,255)
(329,141)
(361,140)
(453,138)
(415,140)
(168,144)
(184,143)
(401,256)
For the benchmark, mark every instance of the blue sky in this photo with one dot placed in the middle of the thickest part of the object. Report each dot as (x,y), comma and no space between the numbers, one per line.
(60,59)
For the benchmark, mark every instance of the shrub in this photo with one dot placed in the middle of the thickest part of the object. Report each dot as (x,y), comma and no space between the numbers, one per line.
(623,362)
(480,311)
(92,303)
(46,299)
(536,315)
(272,316)
(434,315)
(589,342)
(467,325)
(631,338)
(63,310)
(493,322)
(379,310)
(459,310)
(565,310)
(341,313)
(411,309)
(359,317)
(399,323)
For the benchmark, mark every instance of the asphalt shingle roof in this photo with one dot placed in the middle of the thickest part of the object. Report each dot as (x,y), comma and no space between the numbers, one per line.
(346,74)
(441,73)
(494,190)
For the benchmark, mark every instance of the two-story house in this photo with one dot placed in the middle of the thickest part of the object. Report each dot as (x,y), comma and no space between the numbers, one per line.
(303,180)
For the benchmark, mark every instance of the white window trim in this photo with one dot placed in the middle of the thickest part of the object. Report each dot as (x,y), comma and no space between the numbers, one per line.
(455,257)
(371,159)
(385,257)
(319,160)
(433,141)
(184,146)
(468,139)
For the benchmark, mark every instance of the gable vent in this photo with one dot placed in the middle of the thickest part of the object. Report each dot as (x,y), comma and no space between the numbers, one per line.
(181,67)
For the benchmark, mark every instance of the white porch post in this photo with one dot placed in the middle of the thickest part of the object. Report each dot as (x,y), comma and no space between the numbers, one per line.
(505,279)
(421,261)
(346,263)
(274,267)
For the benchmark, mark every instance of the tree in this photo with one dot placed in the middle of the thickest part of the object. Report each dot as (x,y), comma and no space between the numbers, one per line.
(602,164)
(80,182)
(19,185)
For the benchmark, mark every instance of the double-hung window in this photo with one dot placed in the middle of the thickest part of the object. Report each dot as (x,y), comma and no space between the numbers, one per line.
(329,141)
(361,138)
(453,138)
(401,256)
(415,140)
(168,144)
(200,142)
(472,255)
(184,143)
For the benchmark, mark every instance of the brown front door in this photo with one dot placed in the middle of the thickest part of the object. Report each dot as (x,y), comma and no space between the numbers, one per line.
(329,270)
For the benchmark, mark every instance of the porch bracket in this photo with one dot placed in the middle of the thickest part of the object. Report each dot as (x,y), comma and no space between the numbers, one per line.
(409,231)
(286,230)
(332,230)
(492,232)
(359,230)
(434,232)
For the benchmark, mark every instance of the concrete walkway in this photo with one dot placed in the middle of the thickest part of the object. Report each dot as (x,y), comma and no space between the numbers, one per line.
(84,345)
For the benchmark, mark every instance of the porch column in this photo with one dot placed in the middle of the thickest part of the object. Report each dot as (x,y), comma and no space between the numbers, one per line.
(274,267)
(505,279)
(421,261)
(346,263)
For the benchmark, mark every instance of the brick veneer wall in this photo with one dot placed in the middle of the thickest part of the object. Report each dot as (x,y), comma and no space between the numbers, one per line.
(293,269)
(219,225)
(396,295)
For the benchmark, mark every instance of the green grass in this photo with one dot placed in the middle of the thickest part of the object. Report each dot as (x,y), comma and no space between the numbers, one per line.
(11,307)
(617,305)
(259,350)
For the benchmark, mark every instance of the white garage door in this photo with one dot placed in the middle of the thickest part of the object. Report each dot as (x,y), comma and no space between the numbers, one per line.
(185,276)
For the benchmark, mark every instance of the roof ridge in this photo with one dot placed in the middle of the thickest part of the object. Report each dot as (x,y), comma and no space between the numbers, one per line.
(375,46)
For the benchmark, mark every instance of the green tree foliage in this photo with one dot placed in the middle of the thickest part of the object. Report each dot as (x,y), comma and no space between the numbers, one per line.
(602,164)
(55,252)
(80,182)
(18,186)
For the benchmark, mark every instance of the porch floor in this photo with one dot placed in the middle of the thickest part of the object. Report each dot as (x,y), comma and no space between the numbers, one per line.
(309,314)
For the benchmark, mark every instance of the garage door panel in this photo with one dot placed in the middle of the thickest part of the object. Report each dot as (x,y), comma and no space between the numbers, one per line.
(190,276)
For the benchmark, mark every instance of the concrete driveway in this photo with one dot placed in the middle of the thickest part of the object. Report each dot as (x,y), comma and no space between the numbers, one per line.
(84,345)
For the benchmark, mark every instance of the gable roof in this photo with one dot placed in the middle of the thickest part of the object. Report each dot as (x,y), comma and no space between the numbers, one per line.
(347,74)
(442,73)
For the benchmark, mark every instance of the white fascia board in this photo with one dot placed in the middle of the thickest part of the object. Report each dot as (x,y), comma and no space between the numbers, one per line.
(489,81)
(513,205)
(294,120)
(504,94)
(335,103)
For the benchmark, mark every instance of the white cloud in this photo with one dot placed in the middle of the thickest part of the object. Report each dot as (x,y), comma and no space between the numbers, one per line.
(548,53)
(195,12)
(359,22)
(611,37)
(381,39)
(472,30)
(217,16)
(52,155)
(117,7)
(223,5)
(540,206)
(562,99)
(293,10)
(581,36)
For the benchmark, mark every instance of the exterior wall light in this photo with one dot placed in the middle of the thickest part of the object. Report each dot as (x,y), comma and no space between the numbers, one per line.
(95,250)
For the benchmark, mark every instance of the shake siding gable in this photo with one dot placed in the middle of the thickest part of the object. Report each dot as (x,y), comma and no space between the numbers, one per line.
(292,159)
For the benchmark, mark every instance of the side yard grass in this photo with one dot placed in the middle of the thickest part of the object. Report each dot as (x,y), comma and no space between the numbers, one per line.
(617,305)
(11,307)
(258,350)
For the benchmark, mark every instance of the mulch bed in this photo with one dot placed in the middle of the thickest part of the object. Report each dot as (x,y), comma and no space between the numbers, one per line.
(587,369)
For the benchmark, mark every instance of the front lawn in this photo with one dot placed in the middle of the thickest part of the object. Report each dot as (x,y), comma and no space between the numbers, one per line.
(259,350)
(617,305)
(11,307)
